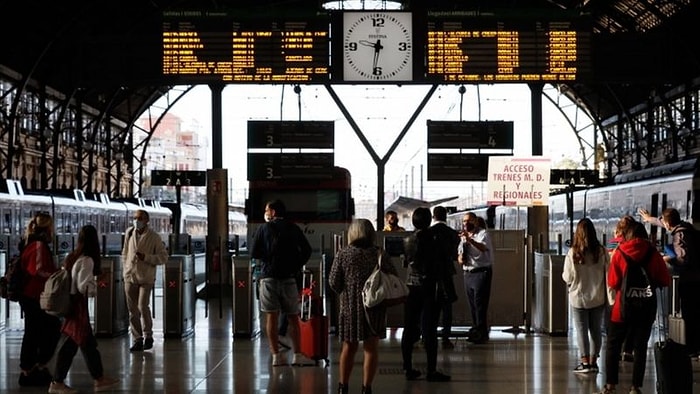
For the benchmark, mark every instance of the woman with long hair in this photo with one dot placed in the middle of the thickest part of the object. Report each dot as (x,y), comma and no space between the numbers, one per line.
(84,266)
(41,330)
(351,267)
(585,267)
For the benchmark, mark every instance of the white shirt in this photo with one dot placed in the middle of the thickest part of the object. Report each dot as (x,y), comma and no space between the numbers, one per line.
(473,257)
(82,279)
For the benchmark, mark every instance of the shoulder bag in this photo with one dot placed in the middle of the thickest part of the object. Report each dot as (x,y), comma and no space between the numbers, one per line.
(382,288)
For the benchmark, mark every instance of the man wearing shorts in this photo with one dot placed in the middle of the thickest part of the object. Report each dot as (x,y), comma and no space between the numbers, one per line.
(282,249)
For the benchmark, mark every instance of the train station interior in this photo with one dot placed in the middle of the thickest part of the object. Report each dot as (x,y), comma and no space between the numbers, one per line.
(78,77)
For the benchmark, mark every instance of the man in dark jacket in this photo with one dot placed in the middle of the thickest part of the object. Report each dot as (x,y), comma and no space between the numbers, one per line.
(282,249)
(686,264)
(447,240)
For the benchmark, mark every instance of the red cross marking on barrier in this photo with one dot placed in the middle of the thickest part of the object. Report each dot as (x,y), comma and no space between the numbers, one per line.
(241,284)
(102,284)
(172,284)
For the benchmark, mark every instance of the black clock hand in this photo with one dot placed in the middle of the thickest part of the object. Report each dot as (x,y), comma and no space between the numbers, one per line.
(366,43)
(377,47)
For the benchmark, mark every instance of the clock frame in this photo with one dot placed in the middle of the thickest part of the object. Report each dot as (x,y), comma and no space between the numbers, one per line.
(377,46)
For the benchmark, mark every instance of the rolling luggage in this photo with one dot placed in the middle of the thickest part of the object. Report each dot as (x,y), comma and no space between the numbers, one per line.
(676,325)
(313,326)
(674,369)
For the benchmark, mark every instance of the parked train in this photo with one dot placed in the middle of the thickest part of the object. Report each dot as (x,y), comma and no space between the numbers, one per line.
(669,186)
(73,209)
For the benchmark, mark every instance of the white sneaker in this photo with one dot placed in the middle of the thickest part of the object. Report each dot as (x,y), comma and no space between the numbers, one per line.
(300,360)
(279,360)
(61,388)
(285,342)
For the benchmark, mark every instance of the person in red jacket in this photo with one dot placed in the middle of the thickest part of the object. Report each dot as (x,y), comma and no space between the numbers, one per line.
(41,330)
(635,323)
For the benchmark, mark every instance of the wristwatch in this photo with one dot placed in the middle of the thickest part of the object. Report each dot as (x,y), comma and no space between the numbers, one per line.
(377,46)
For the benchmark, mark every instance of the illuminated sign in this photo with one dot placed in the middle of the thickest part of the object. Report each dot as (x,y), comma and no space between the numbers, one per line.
(204,46)
(489,49)
(445,47)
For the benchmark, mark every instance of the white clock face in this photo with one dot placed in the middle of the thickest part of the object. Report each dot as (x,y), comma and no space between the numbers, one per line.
(377,46)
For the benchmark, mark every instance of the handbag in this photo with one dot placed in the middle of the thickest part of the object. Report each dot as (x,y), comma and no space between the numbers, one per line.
(382,288)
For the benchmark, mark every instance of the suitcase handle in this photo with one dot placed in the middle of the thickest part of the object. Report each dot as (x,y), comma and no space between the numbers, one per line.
(675,311)
(662,321)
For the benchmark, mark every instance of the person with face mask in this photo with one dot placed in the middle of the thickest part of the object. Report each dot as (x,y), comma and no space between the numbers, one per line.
(475,255)
(143,250)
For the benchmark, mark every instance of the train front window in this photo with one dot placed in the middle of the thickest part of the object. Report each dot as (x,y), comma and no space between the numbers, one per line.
(303,205)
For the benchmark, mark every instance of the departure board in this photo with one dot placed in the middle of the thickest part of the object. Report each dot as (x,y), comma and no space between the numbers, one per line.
(210,46)
(491,49)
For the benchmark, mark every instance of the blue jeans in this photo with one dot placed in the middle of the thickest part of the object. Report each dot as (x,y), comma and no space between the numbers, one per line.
(589,324)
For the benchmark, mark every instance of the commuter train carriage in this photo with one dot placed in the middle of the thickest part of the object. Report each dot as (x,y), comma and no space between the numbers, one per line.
(668,186)
(193,221)
(322,207)
(72,209)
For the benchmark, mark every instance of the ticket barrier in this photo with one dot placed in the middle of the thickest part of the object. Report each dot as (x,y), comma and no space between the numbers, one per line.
(550,311)
(111,315)
(246,312)
(178,296)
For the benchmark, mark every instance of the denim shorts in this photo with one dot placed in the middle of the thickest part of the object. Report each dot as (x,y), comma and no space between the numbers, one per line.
(279,295)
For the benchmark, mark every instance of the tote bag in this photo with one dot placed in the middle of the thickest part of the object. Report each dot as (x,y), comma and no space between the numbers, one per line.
(382,288)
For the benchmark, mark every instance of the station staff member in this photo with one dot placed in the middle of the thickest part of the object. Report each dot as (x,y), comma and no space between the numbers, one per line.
(476,258)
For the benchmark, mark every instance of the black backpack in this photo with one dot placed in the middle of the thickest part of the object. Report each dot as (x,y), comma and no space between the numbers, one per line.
(638,295)
(285,253)
(12,283)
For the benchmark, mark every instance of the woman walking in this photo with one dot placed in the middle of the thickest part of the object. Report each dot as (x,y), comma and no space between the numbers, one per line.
(84,265)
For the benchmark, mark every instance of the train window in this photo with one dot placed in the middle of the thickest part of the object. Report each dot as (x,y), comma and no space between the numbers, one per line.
(75,223)
(7,223)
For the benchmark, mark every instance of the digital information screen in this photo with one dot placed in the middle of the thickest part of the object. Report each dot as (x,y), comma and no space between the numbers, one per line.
(470,134)
(291,134)
(490,49)
(268,166)
(206,46)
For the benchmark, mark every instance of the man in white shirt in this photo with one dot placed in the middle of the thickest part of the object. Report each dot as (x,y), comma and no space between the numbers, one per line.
(476,258)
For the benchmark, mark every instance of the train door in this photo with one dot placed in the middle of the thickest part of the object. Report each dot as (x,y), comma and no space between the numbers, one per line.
(657,205)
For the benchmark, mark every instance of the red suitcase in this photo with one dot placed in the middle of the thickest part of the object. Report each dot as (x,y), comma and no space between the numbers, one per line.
(313,326)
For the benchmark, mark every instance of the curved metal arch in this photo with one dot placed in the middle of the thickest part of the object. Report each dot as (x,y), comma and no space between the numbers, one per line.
(22,85)
(572,124)
(143,145)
